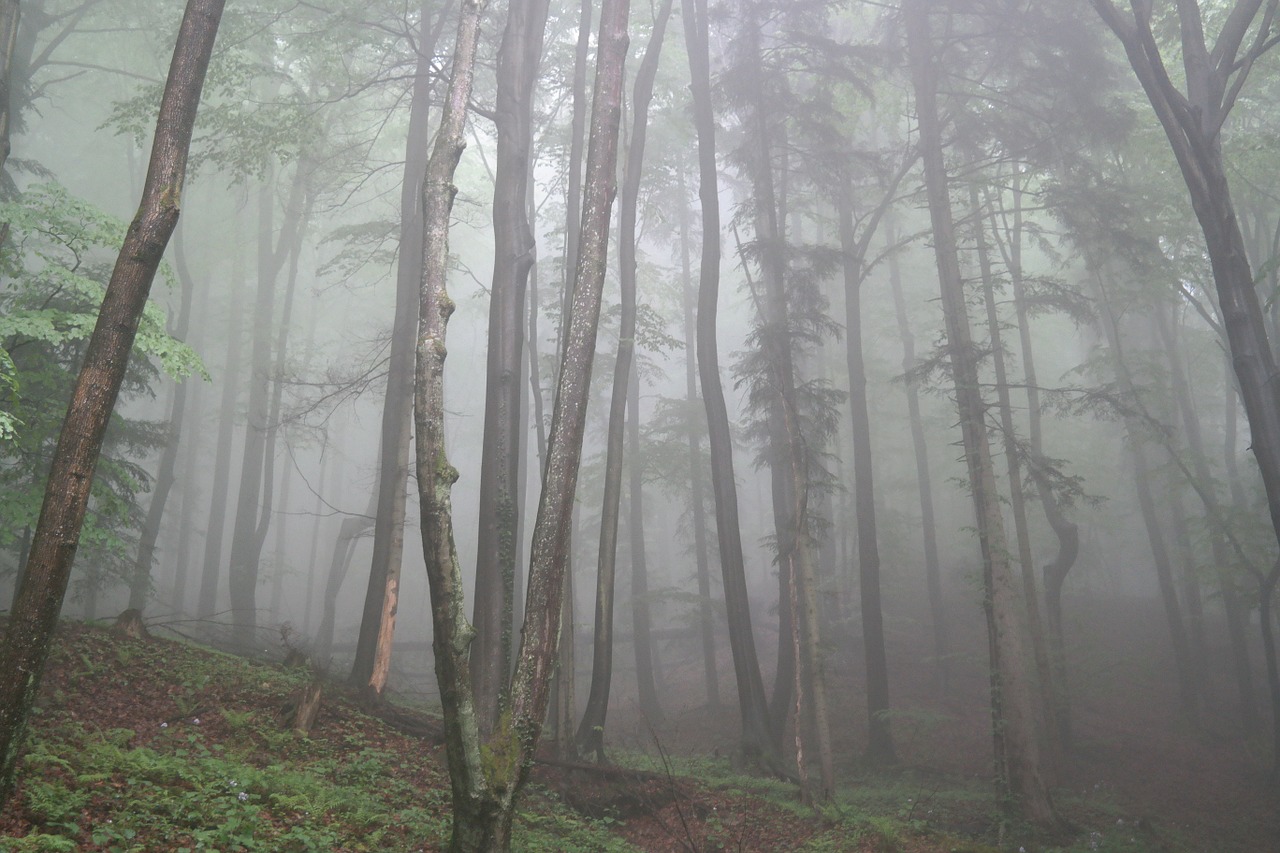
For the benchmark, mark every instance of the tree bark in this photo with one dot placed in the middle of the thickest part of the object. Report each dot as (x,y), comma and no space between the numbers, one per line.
(697,486)
(215,529)
(246,545)
(1241,668)
(1146,502)
(590,735)
(1013,708)
(1017,497)
(373,646)
(924,479)
(1064,529)
(497,545)
(757,742)
(880,749)
(44,583)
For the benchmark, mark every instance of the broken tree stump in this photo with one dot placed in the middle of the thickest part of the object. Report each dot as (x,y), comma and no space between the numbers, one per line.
(300,712)
(129,624)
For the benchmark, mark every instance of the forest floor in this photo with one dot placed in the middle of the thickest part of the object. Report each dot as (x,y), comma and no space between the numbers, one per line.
(155,744)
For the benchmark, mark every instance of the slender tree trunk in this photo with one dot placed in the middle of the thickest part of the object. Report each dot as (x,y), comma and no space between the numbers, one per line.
(880,749)
(140,584)
(518,60)
(44,583)
(1017,498)
(551,533)
(697,487)
(486,783)
(245,537)
(1013,706)
(789,452)
(1147,505)
(641,618)
(757,742)
(314,552)
(591,730)
(373,647)
(349,533)
(924,479)
(1065,530)
(215,529)
(1218,548)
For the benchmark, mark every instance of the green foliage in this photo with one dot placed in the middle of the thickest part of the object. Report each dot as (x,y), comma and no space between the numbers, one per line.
(56,265)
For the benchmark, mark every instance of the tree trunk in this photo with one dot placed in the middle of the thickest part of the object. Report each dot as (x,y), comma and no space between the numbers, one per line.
(484,789)
(1017,498)
(44,583)
(1013,706)
(1065,530)
(373,647)
(1218,548)
(591,730)
(789,453)
(245,541)
(880,749)
(349,532)
(140,584)
(1146,503)
(924,479)
(697,487)
(518,60)
(757,743)
(215,530)
(641,620)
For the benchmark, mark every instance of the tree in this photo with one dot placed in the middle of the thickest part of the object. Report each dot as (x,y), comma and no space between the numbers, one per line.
(757,743)
(373,646)
(1193,119)
(1013,713)
(519,57)
(487,773)
(44,583)
(590,735)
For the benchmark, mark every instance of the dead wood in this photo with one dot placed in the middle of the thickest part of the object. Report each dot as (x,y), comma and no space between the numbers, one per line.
(300,712)
(129,624)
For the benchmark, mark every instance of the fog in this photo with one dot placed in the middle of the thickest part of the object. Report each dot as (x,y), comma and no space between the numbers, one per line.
(1072,225)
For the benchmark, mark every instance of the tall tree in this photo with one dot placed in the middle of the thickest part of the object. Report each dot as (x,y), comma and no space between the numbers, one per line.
(1013,710)
(373,646)
(488,773)
(1214,75)
(44,583)
(757,743)
(497,548)
(591,730)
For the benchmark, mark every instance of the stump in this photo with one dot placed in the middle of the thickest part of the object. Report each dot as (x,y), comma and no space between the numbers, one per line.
(301,711)
(129,624)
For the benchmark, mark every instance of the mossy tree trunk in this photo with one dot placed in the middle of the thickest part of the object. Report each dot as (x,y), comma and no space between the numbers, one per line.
(486,774)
